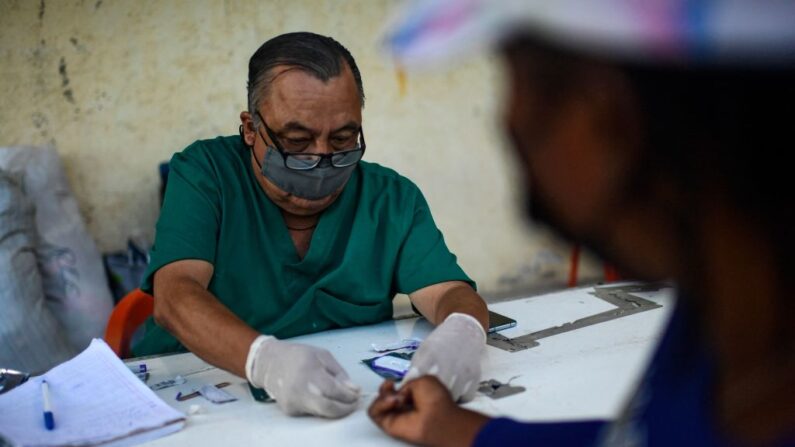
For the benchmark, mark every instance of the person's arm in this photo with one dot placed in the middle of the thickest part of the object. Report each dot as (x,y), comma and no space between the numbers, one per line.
(503,431)
(438,301)
(185,308)
(452,352)
(423,412)
(303,379)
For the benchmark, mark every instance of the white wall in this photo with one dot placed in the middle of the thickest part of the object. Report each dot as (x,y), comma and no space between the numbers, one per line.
(118,86)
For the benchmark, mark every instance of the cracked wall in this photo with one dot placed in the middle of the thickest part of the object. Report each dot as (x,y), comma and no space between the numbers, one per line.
(119,86)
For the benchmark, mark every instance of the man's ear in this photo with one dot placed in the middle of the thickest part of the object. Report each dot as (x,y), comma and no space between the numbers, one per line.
(248,133)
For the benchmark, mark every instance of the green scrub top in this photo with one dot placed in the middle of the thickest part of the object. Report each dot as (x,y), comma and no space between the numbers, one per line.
(377,239)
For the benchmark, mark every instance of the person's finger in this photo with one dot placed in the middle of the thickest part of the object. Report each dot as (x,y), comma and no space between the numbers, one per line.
(393,423)
(382,405)
(387,387)
(393,417)
(330,387)
(399,420)
(423,390)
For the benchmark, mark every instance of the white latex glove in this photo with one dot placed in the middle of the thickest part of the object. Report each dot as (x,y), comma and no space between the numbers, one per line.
(303,379)
(452,353)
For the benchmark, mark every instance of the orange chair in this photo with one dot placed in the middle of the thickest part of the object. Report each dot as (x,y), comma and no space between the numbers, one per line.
(126,317)
(611,273)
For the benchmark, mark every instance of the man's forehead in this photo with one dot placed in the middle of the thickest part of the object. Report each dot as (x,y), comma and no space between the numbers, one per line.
(291,81)
(296,96)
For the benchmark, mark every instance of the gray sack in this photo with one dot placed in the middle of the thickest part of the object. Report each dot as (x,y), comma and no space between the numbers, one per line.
(72,275)
(31,338)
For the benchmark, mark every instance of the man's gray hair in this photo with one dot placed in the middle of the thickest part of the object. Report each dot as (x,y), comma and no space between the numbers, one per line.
(320,56)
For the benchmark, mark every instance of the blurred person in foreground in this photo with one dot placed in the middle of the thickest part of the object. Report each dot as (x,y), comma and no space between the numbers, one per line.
(655,133)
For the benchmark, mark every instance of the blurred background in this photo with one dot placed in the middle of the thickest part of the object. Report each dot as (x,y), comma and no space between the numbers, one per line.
(117,87)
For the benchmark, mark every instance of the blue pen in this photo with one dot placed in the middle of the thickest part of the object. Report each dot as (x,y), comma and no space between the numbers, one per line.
(49,420)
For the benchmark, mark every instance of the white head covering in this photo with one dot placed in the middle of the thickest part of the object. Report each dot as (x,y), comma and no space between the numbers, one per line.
(691,32)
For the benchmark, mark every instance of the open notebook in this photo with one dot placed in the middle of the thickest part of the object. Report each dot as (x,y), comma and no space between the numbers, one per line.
(95,399)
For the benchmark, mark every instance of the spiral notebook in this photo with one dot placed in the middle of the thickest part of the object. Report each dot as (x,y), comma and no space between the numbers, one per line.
(95,399)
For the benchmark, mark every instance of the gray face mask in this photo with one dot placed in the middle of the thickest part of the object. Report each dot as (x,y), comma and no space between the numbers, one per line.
(313,184)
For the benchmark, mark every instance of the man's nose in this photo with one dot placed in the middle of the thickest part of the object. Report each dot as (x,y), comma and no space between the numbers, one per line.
(322,146)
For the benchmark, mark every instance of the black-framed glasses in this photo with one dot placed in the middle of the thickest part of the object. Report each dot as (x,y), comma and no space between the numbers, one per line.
(301,161)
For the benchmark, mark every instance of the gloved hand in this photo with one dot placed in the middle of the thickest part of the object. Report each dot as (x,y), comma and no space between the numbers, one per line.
(303,379)
(452,353)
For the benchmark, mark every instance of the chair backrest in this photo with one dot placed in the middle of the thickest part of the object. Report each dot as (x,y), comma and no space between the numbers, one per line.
(611,273)
(126,317)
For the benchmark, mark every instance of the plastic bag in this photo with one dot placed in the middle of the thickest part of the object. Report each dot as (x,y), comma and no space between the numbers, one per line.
(73,277)
(31,337)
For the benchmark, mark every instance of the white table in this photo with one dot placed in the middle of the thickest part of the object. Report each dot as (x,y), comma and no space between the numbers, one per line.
(586,373)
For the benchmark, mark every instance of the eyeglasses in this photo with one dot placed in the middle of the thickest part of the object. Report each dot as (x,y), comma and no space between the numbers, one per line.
(300,161)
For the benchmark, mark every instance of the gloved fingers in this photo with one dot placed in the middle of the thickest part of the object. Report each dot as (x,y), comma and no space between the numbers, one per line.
(466,382)
(452,380)
(468,391)
(336,370)
(313,401)
(424,358)
(462,387)
(329,387)
(458,376)
(291,408)
(325,407)
(457,339)
(412,374)
(422,364)
(330,363)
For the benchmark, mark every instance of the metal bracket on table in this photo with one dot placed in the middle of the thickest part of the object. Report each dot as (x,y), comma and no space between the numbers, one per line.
(11,379)
(619,296)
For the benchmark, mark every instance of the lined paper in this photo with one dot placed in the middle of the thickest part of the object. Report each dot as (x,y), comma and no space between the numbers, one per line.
(95,399)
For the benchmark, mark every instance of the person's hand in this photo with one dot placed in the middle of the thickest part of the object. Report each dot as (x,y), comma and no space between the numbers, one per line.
(423,412)
(303,379)
(452,353)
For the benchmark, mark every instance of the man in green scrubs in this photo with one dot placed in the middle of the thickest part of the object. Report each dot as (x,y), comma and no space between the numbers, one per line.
(283,230)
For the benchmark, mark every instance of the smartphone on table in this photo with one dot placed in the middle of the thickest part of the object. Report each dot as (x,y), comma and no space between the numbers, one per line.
(498,322)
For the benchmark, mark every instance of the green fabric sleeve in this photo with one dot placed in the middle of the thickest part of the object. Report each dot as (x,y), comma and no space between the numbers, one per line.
(189,219)
(424,258)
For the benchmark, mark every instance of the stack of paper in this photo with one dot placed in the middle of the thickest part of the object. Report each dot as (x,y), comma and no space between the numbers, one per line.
(95,399)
